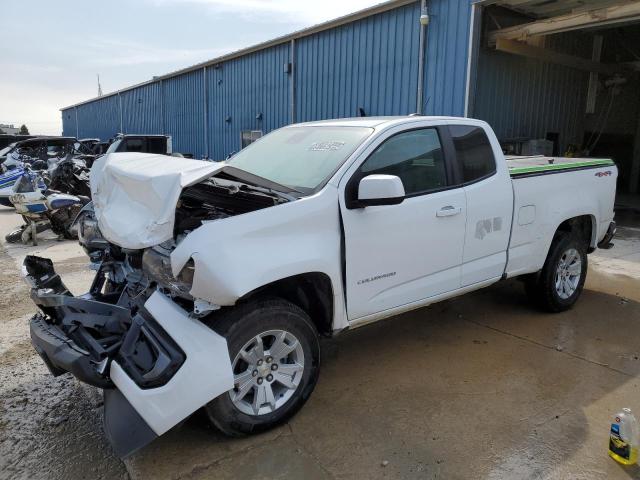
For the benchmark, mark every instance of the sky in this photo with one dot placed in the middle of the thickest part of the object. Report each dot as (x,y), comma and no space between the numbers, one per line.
(52,51)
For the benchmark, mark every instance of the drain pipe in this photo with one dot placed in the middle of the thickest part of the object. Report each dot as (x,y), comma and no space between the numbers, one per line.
(292,75)
(205,95)
(424,21)
(121,115)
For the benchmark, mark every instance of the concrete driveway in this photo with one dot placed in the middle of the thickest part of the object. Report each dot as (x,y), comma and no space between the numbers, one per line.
(482,386)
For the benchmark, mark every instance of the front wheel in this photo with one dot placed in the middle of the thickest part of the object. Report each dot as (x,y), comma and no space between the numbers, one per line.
(559,285)
(275,354)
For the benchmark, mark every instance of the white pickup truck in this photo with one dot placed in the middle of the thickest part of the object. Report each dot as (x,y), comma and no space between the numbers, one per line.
(215,280)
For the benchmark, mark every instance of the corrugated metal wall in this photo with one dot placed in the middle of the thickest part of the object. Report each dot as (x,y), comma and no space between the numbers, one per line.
(369,64)
(69,122)
(184,112)
(142,109)
(247,93)
(99,119)
(522,97)
(447,52)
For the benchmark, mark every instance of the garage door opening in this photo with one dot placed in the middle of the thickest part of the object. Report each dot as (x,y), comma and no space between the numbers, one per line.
(562,77)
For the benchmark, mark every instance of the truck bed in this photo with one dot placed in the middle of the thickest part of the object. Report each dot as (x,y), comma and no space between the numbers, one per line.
(543,200)
(520,166)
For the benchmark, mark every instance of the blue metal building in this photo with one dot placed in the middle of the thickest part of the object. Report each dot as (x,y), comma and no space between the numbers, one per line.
(367,63)
(563,71)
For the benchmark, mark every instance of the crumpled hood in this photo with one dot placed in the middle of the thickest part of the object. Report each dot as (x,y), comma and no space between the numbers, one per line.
(135,195)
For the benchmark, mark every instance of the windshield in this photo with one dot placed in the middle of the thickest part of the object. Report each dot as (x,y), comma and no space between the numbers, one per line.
(302,158)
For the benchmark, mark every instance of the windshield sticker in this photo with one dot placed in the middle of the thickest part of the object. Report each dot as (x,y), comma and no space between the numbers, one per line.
(326,146)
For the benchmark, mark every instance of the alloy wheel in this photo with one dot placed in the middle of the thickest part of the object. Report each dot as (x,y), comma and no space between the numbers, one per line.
(568,273)
(267,371)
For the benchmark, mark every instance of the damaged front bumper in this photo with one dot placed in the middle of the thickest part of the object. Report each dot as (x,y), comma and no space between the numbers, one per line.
(156,364)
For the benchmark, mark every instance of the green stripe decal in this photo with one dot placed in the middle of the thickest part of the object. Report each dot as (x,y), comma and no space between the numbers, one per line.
(559,166)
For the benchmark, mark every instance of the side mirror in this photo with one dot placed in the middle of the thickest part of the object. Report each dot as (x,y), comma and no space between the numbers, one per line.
(380,190)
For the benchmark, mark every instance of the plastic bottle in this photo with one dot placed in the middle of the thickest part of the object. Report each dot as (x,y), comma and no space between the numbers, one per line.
(624,438)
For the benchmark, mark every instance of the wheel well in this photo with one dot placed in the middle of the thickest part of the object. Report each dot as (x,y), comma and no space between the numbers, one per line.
(581,227)
(310,291)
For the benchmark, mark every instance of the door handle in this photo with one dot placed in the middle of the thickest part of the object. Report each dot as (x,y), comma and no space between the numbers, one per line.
(448,211)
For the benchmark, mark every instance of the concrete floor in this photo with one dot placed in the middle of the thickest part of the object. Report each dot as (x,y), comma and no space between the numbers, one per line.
(478,387)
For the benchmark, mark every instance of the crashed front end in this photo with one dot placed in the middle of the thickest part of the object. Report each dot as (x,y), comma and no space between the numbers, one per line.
(138,333)
(155,362)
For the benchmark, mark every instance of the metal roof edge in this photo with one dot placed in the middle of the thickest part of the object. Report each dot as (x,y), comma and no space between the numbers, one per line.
(329,24)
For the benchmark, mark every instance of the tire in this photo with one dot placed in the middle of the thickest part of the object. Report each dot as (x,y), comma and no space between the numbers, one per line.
(61,221)
(15,236)
(241,326)
(557,287)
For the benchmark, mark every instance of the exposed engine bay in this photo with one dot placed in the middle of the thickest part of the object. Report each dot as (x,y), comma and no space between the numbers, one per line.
(210,200)
(217,198)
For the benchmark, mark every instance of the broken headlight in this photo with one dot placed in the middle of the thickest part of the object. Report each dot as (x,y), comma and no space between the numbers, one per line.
(156,264)
(186,274)
(88,229)
(89,235)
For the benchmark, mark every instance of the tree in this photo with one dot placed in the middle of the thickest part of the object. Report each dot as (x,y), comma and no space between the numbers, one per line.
(24,130)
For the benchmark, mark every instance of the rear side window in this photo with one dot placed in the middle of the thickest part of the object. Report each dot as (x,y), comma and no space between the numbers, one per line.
(414,156)
(134,145)
(156,145)
(473,152)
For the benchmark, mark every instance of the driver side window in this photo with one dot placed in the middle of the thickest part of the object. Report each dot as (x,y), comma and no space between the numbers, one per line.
(415,157)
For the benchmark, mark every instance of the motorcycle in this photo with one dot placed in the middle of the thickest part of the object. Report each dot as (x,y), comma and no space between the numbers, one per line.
(65,174)
(70,175)
(42,208)
(7,182)
(13,168)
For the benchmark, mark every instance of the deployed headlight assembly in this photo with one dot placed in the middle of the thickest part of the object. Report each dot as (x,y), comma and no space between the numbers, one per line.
(89,235)
(186,274)
(88,229)
(157,266)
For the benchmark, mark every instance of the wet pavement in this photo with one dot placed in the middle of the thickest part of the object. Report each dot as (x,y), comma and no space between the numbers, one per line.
(482,386)
(49,427)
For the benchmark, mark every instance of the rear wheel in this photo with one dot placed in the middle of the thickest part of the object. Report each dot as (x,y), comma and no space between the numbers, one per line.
(559,285)
(275,354)
(15,236)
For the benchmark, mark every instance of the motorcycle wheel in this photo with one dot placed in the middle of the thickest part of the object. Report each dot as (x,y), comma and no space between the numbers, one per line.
(15,236)
(62,220)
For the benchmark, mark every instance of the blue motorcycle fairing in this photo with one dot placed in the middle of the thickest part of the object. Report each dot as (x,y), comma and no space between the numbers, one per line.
(37,208)
(7,181)
(61,200)
(9,178)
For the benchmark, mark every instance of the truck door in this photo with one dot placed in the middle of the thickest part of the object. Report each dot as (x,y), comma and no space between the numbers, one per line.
(404,253)
(489,193)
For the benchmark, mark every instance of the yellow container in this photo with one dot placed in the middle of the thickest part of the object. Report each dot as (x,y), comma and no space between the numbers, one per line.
(623,438)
